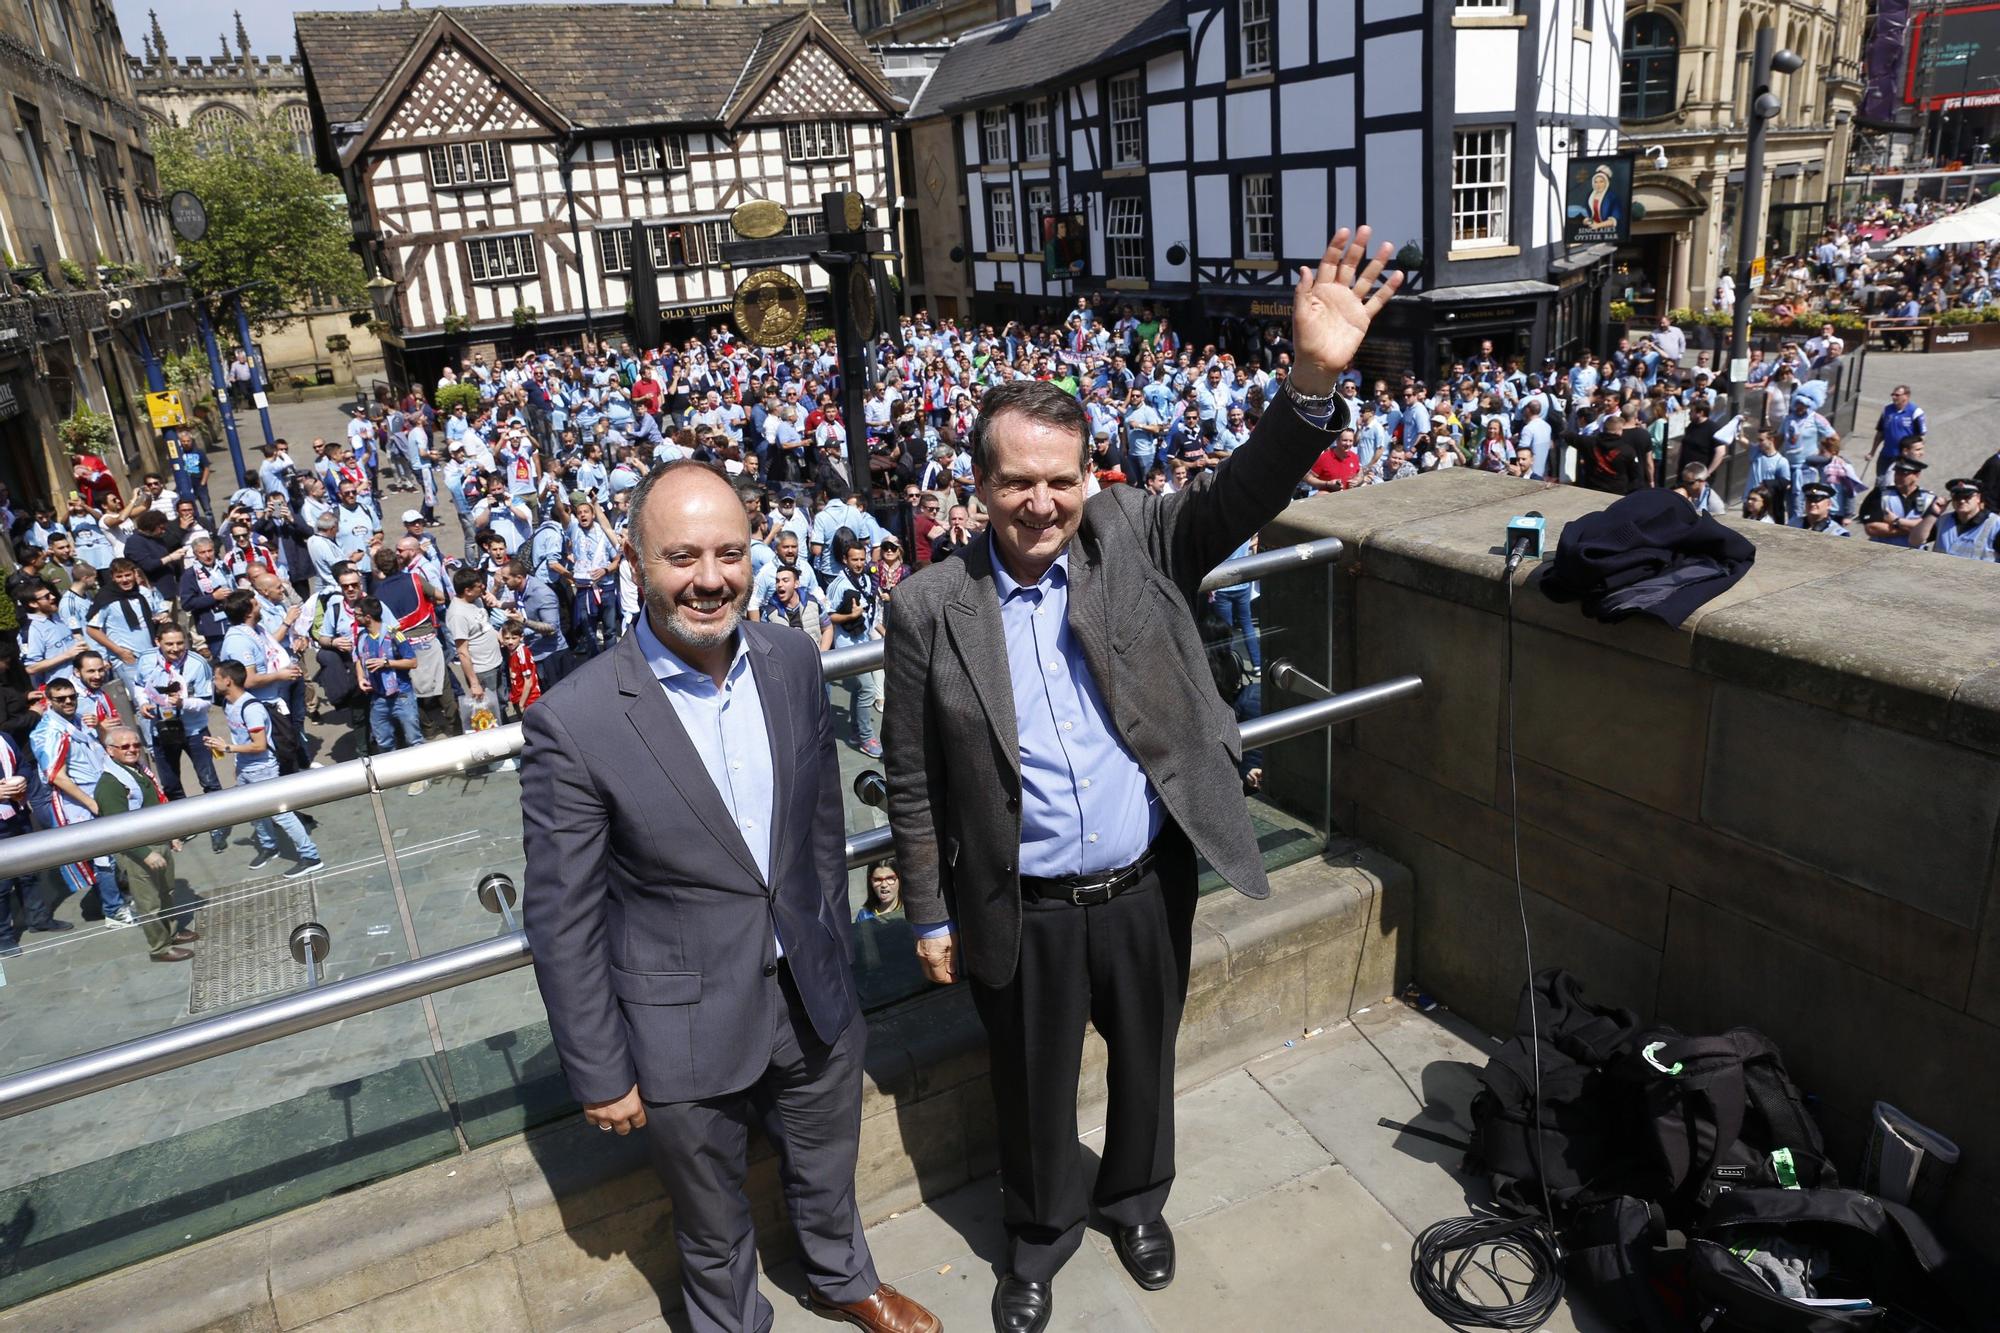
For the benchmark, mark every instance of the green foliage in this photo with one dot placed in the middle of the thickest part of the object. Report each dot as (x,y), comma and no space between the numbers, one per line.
(272,218)
(10,615)
(525,315)
(85,432)
(1989,314)
(1847,323)
(1959,315)
(459,323)
(455,395)
(72,272)
(112,275)
(817,335)
(1683,314)
(1621,312)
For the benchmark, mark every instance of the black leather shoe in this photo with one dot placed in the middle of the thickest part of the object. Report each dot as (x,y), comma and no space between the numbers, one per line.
(1021,1306)
(1147,1251)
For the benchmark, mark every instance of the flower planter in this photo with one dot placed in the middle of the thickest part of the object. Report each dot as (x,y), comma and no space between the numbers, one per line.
(1961,337)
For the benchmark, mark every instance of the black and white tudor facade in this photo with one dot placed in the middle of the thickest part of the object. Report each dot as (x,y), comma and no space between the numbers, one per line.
(495,158)
(1213,145)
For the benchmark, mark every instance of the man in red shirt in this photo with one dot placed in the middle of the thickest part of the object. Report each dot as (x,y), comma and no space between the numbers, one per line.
(1338,468)
(647,391)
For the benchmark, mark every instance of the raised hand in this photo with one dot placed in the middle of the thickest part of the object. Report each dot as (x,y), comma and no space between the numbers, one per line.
(1333,307)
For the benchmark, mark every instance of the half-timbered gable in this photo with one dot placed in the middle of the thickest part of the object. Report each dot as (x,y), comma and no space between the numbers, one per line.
(455,98)
(1210,147)
(488,178)
(815,83)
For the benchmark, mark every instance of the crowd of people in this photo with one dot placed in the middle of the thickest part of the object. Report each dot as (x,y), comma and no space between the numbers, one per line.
(321,589)
(1853,268)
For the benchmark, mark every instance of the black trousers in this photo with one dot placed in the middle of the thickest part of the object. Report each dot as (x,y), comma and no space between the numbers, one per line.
(1123,966)
(809,1105)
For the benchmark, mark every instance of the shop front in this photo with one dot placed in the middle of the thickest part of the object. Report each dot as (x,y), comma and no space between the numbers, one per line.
(20,452)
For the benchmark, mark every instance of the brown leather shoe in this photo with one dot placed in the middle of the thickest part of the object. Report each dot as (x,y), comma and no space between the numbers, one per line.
(186,936)
(172,956)
(885,1311)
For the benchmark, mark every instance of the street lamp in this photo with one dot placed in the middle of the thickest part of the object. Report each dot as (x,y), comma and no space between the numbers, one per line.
(382,295)
(1768,62)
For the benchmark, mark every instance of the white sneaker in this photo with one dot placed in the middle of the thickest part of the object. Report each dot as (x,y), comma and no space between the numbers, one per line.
(120,918)
(420,787)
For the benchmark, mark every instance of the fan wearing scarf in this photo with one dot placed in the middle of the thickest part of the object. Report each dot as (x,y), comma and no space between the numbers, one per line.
(129,784)
(71,760)
(123,619)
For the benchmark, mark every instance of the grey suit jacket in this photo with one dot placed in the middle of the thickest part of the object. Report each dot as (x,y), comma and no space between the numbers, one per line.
(948,725)
(650,925)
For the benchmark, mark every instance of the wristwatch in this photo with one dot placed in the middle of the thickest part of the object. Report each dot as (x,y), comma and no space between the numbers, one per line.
(1325,410)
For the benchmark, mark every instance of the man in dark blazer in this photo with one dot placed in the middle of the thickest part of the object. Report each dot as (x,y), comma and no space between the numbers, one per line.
(1047,797)
(687,904)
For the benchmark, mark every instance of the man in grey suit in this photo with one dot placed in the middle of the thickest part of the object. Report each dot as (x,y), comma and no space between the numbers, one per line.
(1058,754)
(687,905)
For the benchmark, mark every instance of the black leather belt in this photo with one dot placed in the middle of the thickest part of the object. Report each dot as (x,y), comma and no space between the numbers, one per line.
(1088,890)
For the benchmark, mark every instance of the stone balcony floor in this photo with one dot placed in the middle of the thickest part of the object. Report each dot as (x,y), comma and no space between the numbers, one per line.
(1293,1208)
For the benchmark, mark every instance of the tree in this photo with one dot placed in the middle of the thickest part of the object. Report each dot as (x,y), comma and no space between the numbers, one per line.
(272,217)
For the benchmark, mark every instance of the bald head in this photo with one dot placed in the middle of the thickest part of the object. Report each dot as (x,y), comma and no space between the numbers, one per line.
(676,492)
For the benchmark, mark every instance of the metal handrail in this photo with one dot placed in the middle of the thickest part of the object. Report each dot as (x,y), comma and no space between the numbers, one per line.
(127,1062)
(449,757)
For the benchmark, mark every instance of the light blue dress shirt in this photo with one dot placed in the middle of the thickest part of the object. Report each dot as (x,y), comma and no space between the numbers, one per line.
(725,724)
(1086,805)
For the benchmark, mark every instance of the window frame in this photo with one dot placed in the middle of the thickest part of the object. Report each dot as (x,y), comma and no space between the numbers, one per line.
(1269,248)
(700,245)
(1134,124)
(519,244)
(1633,104)
(1034,217)
(1037,124)
(1126,227)
(996,195)
(489,155)
(1499,152)
(830,141)
(996,121)
(1482,9)
(1251,33)
(668,154)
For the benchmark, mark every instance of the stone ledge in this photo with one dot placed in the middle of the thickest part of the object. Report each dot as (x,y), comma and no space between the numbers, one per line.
(563,1229)
(1839,623)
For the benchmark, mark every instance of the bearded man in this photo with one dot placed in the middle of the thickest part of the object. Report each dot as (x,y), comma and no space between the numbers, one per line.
(681,805)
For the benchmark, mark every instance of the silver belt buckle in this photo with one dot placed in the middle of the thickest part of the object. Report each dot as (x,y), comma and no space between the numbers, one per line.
(1093,895)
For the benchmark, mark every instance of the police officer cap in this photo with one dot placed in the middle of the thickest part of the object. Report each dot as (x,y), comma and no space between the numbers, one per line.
(1910,465)
(1962,486)
(1817,490)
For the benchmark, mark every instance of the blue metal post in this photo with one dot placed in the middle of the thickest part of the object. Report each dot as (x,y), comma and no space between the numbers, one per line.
(156,382)
(258,384)
(221,393)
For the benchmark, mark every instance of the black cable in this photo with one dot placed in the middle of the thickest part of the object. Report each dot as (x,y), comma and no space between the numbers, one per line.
(1447,1252)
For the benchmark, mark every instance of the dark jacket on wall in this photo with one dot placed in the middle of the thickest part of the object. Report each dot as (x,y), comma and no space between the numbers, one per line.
(1648,552)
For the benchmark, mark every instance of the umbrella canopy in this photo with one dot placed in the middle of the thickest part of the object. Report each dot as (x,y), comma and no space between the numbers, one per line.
(1968,226)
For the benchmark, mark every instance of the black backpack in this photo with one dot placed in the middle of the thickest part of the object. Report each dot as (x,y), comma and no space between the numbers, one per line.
(1876,1251)
(1582,1147)
(1650,1113)
(1712,1114)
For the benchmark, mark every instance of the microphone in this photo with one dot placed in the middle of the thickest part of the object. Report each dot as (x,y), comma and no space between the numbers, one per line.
(1524,538)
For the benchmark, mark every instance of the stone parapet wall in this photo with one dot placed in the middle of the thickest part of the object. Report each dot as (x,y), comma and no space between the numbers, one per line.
(1782,814)
(567,1229)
